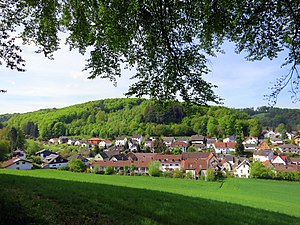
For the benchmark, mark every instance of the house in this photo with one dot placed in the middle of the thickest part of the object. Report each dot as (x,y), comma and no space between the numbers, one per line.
(264,146)
(180,144)
(45,153)
(118,157)
(71,142)
(81,157)
(295,161)
(276,141)
(101,156)
(198,139)
(185,140)
(168,162)
(63,140)
(243,169)
(168,141)
(54,141)
(279,160)
(251,140)
(54,162)
(297,140)
(263,155)
(229,139)
(224,147)
(138,138)
(250,147)
(105,143)
(77,143)
(196,167)
(19,153)
(121,141)
(289,148)
(94,141)
(148,144)
(133,146)
(17,164)
(210,141)
(210,158)
(271,134)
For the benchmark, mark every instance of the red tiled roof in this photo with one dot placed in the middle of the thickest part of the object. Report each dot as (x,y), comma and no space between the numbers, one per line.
(195,164)
(167,158)
(225,144)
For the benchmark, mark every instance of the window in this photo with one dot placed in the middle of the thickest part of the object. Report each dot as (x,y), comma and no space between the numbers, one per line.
(17,163)
(171,164)
(23,162)
(163,164)
(177,164)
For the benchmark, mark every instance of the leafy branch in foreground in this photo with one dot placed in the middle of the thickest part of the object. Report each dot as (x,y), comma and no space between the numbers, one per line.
(167,42)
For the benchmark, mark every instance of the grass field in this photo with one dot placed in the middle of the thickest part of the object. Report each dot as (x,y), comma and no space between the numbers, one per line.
(59,197)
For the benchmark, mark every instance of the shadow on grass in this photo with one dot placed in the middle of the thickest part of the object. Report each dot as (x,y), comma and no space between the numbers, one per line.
(28,200)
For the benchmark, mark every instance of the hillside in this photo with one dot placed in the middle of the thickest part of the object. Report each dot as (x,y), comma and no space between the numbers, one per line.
(114,117)
(109,118)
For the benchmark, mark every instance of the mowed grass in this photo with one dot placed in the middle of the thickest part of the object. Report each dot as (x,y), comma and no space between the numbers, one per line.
(59,197)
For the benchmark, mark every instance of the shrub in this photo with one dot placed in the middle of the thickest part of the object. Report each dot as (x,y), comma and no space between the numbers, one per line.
(64,168)
(167,173)
(154,170)
(178,173)
(188,175)
(76,165)
(109,170)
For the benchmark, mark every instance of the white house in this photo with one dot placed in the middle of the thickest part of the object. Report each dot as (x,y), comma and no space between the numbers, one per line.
(105,143)
(224,147)
(169,140)
(279,160)
(263,155)
(17,164)
(251,140)
(168,162)
(243,169)
(289,148)
(54,162)
(229,139)
(138,138)
(121,141)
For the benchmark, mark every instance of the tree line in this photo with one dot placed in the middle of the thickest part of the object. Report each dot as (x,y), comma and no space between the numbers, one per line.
(110,118)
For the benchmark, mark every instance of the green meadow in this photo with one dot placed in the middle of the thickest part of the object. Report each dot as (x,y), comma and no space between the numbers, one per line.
(60,197)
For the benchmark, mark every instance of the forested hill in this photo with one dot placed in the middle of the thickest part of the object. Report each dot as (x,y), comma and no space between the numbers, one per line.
(110,118)
(281,119)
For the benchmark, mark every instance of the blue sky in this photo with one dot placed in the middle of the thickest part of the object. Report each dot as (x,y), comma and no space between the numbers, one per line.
(61,82)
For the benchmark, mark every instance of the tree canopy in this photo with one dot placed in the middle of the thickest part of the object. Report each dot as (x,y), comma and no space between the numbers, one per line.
(167,42)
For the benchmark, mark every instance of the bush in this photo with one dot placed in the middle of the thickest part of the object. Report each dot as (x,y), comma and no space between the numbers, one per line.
(210,175)
(178,173)
(154,170)
(65,168)
(167,174)
(76,165)
(188,175)
(109,170)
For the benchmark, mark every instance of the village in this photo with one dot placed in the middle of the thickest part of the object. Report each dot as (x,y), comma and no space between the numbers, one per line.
(193,155)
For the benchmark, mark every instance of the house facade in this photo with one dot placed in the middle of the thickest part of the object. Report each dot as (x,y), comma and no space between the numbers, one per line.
(17,164)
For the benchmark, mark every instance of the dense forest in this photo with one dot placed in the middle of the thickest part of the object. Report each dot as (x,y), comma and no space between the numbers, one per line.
(276,118)
(110,118)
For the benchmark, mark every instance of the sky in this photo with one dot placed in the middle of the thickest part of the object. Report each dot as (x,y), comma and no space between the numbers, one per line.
(61,82)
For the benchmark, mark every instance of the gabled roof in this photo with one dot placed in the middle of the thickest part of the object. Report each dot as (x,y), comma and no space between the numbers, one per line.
(167,158)
(263,146)
(195,164)
(197,138)
(179,144)
(263,152)
(13,161)
(225,144)
(196,155)
(119,157)
(78,156)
